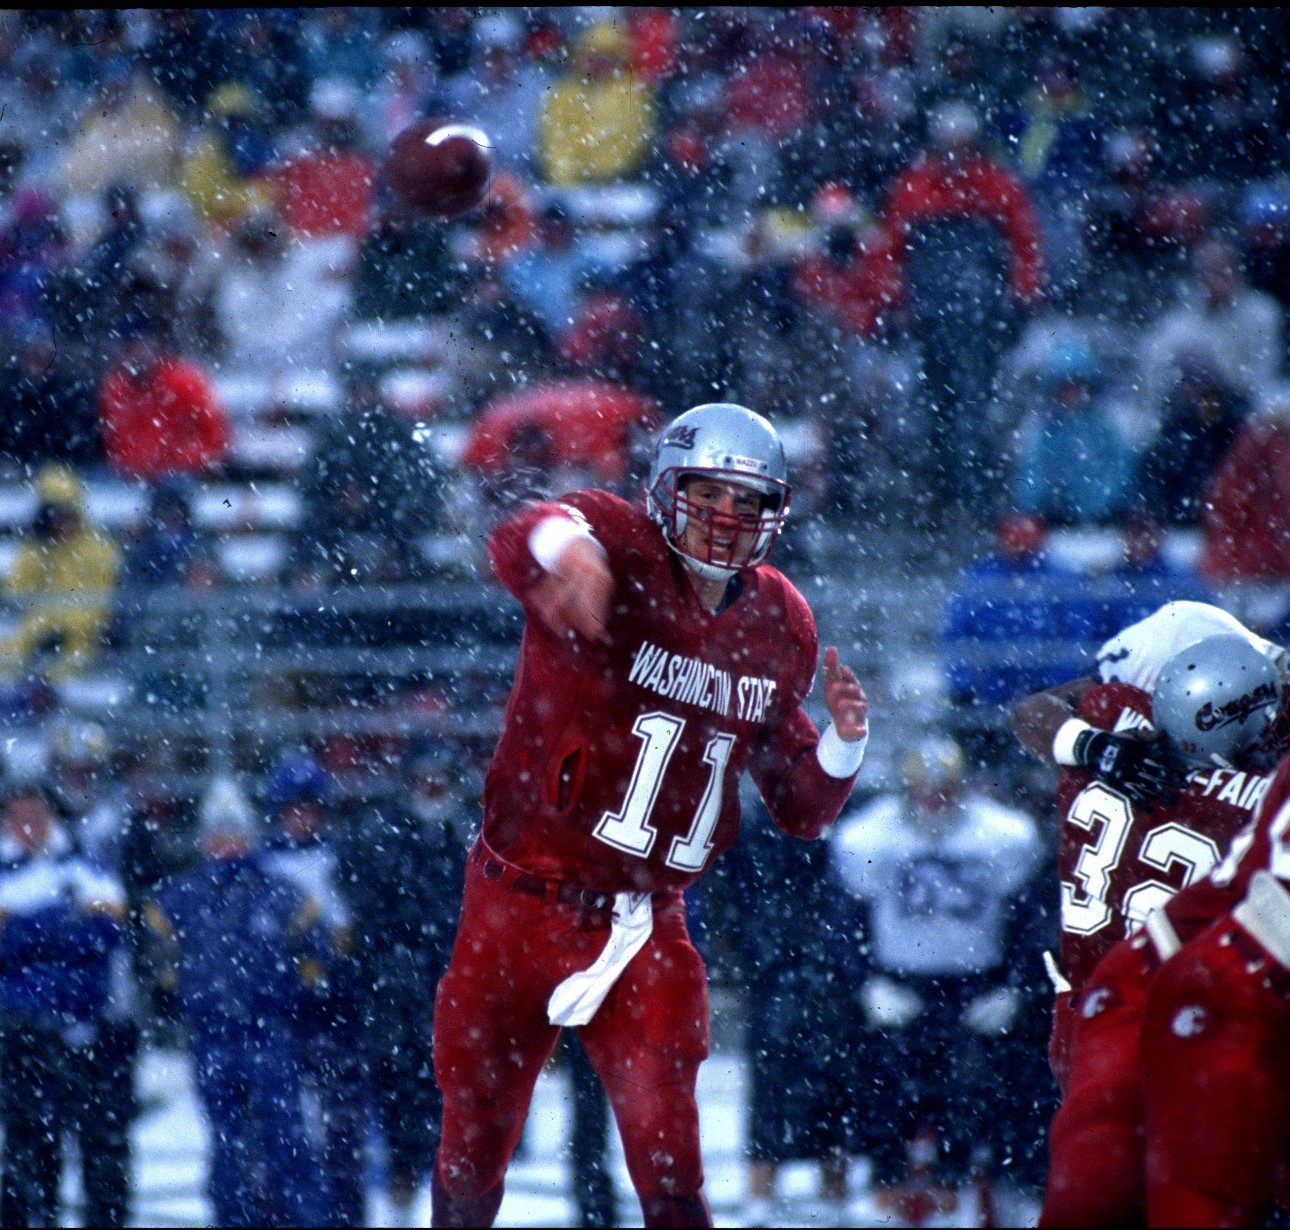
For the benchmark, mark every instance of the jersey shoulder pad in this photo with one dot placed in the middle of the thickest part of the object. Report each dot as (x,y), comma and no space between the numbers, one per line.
(1005,824)
(870,824)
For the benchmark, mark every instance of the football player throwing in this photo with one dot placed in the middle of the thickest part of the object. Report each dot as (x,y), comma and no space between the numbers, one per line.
(661,658)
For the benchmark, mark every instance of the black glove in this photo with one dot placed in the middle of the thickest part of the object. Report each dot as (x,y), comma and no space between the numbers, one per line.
(1143,770)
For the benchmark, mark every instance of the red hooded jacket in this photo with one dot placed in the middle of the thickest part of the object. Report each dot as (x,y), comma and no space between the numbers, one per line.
(166,421)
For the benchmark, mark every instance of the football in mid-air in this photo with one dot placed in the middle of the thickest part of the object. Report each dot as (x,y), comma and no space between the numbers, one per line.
(440,169)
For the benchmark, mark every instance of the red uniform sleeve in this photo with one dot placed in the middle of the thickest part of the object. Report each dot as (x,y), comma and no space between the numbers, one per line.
(613,522)
(803,800)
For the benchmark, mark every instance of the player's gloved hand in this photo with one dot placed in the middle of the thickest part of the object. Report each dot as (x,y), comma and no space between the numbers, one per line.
(887,1004)
(992,1013)
(1143,770)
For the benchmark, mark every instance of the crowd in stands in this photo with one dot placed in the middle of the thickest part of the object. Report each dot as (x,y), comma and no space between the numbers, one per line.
(1018,271)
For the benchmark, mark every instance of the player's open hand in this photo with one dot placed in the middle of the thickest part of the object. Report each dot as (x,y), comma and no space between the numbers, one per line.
(845,699)
(573,598)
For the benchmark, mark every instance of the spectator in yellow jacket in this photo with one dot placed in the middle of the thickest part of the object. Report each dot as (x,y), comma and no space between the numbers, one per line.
(597,122)
(62,580)
(221,173)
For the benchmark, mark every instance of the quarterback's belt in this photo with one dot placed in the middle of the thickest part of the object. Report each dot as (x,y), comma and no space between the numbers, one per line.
(575,1000)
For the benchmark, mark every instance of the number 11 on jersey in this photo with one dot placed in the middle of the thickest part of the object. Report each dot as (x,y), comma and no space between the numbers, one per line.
(629,827)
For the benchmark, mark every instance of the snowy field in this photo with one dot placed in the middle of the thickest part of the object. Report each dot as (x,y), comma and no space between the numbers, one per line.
(170,1150)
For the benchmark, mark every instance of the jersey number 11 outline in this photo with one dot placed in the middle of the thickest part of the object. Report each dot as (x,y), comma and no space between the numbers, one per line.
(629,828)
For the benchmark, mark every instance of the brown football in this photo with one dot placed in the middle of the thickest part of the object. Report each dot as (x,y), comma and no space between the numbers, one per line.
(439,169)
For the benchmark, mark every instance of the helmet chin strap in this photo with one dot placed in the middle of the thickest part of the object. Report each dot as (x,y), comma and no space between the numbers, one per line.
(709,572)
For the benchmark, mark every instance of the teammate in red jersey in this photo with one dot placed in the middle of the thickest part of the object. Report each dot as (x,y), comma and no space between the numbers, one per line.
(1215,703)
(1129,762)
(661,658)
(1215,1061)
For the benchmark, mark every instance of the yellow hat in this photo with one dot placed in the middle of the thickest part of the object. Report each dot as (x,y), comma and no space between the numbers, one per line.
(57,485)
(234,98)
(604,38)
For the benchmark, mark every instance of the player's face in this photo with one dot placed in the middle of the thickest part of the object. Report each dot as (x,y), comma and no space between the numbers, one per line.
(722,520)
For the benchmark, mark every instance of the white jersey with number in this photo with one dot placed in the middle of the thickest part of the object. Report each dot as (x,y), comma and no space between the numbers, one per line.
(1138,654)
(936,901)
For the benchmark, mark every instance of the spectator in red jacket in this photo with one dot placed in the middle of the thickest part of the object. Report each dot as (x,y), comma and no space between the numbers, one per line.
(850,277)
(159,412)
(1246,518)
(329,190)
(956,178)
(966,244)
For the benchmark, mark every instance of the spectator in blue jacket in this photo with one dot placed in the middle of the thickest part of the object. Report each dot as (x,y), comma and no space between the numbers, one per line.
(1015,623)
(1074,467)
(235,939)
(62,920)
(301,851)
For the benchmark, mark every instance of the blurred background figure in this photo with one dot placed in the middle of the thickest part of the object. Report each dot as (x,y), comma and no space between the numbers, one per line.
(804,1100)
(399,869)
(1201,418)
(63,579)
(63,921)
(933,869)
(91,806)
(302,851)
(1221,320)
(159,412)
(1074,465)
(971,258)
(168,561)
(1244,518)
(49,413)
(597,119)
(235,942)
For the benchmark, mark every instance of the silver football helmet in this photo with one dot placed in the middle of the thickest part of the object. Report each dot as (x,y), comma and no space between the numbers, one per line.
(731,443)
(1216,700)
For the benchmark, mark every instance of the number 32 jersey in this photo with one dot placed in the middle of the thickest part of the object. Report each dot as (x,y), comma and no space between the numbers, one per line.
(618,764)
(1118,862)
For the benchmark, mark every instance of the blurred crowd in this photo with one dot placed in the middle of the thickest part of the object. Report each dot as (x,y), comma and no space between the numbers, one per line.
(1020,270)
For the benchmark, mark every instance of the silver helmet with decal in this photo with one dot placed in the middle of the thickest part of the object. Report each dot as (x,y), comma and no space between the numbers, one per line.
(1216,700)
(732,444)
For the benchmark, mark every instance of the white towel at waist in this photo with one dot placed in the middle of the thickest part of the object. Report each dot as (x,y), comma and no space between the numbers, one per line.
(575,1000)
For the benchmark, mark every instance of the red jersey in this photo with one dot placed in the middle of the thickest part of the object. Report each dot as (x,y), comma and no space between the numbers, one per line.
(1263,845)
(1117,863)
(618,763)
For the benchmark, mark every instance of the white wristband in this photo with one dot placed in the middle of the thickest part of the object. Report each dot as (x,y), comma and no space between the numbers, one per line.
(1064,740)
(551,535)
(837,756)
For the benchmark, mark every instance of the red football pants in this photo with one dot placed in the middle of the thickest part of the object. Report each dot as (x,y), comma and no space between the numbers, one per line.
(1095,1144)
(1217,1090)
(492,1038)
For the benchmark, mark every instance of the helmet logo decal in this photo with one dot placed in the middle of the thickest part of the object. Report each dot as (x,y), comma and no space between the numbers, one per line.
(1208,717)
(681,437)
